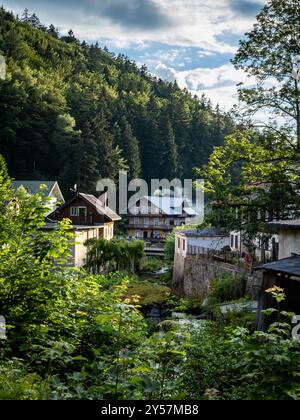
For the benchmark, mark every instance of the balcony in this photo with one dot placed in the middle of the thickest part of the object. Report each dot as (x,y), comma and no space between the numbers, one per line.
(152,227)
(82,220)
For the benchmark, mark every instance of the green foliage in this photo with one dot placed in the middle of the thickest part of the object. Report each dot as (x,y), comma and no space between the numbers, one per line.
(227,288)
(253,178)
(151,264)
(148,293)
(270,54)
(170,248)
(75,112)
(117,254)
(17,384)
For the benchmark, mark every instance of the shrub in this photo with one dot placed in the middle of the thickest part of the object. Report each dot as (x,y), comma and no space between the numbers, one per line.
(17,384)
(227,289)
(150,264)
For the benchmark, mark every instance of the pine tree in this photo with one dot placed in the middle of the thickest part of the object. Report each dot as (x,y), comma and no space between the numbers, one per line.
(53,31)
(129,145)
(169,167)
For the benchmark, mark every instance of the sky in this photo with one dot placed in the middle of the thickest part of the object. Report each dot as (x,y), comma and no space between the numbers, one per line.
(191,41)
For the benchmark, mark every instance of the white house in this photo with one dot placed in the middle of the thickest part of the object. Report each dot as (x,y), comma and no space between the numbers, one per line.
(200,241)
(156,216)
(289,237)
(51,190)
(265,249)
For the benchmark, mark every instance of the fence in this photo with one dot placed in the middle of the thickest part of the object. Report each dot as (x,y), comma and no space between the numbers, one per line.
(244,260)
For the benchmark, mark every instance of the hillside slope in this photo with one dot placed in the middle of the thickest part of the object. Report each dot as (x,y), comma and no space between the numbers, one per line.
(76,112)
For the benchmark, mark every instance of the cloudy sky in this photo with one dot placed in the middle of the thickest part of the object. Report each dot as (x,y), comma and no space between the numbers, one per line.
(191,41)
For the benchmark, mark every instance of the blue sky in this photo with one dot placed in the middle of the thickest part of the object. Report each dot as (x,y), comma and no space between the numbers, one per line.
(191,41)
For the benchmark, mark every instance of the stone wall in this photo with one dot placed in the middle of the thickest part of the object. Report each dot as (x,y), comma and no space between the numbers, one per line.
(193,274)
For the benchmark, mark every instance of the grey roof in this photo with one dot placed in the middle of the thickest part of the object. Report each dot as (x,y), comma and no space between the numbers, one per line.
(33,187)
(290,266)
(106,211)
(172,206)
(198,233)
(285,224)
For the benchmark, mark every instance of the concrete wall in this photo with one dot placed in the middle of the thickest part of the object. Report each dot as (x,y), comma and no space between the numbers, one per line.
(289,243)
(192,275)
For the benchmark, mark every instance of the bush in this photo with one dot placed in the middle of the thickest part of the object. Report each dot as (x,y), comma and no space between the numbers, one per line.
(148,293)
(17,384)
(150,264)
(227,289)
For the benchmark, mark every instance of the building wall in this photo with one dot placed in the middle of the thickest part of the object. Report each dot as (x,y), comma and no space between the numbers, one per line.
(79,250)
(192,275)
(289,243)
(108,231)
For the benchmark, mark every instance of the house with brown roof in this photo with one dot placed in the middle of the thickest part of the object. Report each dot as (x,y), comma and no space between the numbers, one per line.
(90,217)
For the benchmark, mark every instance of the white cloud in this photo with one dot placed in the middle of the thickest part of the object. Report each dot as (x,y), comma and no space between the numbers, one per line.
(218,84)
(198,23)
(164,72)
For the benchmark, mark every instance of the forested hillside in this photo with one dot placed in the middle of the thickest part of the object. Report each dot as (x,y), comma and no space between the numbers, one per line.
(74,112)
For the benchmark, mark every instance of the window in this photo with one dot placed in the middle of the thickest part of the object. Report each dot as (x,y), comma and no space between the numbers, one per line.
(236,242)
(74,211)
(183,245)
(146,221)
(82,211)
(136,221)
(178,243)
(78,211)
(171,222)
(178,222)
(156,222)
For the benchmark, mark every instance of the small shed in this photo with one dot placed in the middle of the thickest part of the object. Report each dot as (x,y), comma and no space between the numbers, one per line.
(284,273)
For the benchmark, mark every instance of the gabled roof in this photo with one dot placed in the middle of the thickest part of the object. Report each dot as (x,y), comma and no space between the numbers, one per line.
(289,266)
(172,206)
(94,202)
(33,187)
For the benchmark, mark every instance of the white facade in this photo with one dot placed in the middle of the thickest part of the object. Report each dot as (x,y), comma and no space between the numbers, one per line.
(264,249)
(196,243)
(289,243)
(79,250)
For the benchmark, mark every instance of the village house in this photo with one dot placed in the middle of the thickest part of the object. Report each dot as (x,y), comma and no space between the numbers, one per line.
(200,241)
(284,273)
(193,269)
(156,216)
(51,190)
(265,248)
(90,217)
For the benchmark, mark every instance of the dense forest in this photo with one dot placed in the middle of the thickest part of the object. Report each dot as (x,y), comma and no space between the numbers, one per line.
(76,112)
